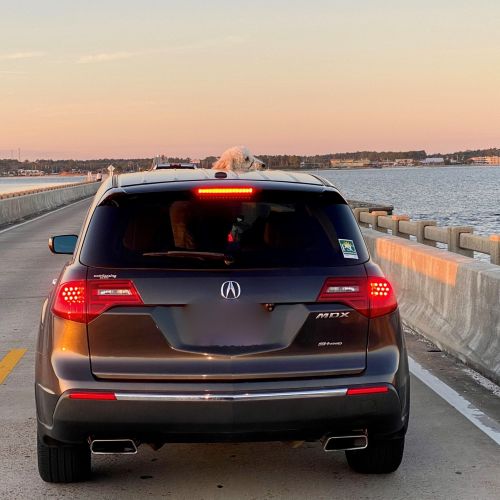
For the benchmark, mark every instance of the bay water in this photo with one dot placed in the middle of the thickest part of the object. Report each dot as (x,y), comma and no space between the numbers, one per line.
(457,195)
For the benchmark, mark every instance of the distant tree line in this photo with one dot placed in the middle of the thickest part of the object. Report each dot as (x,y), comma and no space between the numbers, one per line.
(272,161)
(465,156)
(380,156)
(72,166)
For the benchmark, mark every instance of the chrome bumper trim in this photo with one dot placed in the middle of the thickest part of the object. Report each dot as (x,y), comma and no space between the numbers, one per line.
(249,396)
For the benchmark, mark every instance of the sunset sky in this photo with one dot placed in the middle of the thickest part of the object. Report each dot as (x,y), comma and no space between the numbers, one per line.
(119,78)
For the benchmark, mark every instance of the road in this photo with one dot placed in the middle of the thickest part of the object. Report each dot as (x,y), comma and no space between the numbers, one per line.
(447,456)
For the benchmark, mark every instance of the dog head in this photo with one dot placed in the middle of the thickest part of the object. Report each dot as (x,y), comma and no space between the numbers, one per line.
(238,158)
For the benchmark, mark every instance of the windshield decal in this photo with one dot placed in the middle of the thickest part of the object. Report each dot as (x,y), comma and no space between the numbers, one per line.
(348,249)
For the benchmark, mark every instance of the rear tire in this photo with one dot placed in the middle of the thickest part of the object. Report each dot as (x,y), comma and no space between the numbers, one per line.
(380,457)
(63,463)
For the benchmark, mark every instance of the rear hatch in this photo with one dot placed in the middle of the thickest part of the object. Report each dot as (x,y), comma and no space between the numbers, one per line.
(190,285)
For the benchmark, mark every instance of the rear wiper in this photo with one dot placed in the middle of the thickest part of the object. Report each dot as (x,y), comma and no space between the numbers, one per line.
(228,259)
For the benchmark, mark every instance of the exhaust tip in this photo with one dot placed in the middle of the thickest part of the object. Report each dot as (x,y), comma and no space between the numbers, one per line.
(344,443)
(113,447)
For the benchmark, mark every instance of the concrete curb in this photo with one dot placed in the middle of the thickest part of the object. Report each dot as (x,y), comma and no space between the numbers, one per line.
(451,299)
(22,206)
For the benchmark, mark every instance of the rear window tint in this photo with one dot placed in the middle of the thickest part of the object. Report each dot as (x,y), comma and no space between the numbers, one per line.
(175,230)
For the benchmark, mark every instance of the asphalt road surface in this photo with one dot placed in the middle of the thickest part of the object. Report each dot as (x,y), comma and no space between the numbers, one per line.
(447,456)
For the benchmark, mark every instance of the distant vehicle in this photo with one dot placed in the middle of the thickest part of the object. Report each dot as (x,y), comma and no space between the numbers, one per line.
(160,163)
(166,166)
(219,306)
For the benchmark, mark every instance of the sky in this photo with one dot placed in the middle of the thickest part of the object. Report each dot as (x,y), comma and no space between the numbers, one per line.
(119,78)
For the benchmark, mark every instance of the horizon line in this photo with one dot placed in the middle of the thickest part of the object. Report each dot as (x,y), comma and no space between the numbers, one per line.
(258,154)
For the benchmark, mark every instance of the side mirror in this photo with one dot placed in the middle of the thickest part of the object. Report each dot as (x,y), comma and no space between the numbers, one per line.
(65,243)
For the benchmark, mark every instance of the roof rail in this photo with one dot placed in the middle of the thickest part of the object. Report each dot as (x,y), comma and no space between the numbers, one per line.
(324,181)
(114,181)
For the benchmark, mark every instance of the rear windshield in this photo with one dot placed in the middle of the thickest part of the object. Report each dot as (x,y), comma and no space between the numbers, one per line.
(176,230)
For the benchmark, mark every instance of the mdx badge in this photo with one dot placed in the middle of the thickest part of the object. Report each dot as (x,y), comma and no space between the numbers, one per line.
(230,290)
(334,315)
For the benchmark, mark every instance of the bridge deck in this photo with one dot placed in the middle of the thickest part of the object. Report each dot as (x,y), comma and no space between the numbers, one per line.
(446,455)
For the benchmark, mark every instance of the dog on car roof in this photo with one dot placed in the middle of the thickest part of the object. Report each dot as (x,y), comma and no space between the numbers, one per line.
(238,158)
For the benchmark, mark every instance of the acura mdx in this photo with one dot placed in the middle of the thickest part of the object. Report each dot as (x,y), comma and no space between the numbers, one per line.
(208,306)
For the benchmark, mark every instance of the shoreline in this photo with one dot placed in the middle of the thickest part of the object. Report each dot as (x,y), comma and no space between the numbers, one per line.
(392,167)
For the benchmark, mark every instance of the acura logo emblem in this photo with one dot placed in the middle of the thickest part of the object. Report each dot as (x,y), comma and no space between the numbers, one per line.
(230,290)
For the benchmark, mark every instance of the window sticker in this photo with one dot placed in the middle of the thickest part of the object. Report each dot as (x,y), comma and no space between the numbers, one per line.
(348,249)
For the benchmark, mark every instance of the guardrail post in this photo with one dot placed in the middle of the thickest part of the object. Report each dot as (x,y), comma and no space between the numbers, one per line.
(395,226)
(374,216)
(495,249)
(421,225)
(357,212)
(454,240)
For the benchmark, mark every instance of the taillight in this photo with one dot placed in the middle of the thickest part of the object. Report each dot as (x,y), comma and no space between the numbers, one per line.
(349,291)
(372,297)
(382,297)
(82,301)
(225,192)
(70,301)
(104,294)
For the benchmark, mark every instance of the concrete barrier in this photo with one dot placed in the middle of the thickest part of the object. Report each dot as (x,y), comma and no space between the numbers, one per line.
(451,299)
(459,239)
(27,205)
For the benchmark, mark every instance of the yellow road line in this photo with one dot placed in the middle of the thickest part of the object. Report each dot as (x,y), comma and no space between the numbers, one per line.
(9,362)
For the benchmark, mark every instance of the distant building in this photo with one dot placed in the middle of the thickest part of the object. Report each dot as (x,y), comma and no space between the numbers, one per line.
(29,172)
(493,160)
(404,162)
(350,163)
(433,161)
(313,164)
(381,163)
(486,160)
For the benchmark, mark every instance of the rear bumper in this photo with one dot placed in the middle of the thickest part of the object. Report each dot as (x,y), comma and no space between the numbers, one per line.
(225,416)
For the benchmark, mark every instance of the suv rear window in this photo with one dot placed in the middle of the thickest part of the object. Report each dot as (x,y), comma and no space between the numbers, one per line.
(176,230)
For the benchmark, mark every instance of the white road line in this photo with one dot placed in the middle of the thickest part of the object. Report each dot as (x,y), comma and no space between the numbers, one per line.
(482,421)
(42,216)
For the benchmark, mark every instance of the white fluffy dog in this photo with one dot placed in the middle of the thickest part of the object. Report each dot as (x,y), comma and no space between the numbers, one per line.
(238,158)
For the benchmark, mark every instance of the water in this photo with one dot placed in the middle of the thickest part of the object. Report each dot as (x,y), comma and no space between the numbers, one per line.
(461,195)
(16,184)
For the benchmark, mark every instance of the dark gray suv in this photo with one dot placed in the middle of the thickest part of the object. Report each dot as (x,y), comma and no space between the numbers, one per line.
(201,305)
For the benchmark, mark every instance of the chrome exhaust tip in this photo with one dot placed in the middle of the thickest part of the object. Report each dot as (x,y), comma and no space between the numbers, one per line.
(344,443)
(113,447)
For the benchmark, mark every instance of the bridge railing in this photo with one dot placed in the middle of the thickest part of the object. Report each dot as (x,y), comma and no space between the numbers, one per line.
(42,189)
(27,204)
(459,239)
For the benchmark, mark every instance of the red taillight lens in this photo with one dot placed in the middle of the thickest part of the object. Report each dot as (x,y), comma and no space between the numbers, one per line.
(349,291)
(70,301)
(99,396)
(82,301)
(225,192)
(382,297)
(372,297)
(104,294)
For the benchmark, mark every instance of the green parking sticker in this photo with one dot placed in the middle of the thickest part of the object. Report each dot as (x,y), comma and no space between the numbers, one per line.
(348,249)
